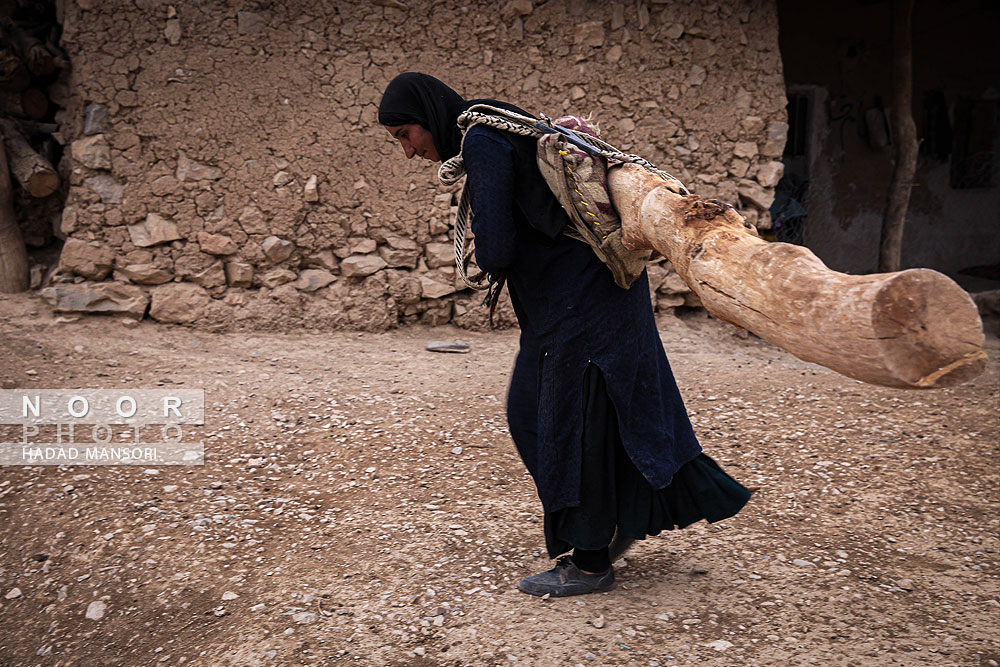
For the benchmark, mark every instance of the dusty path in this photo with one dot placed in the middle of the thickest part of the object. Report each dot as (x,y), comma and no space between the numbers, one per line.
(363,502)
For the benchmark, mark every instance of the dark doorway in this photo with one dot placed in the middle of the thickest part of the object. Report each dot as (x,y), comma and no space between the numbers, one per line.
(838,163)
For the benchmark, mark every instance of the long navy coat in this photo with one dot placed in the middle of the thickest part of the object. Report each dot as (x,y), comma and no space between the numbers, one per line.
(571,314)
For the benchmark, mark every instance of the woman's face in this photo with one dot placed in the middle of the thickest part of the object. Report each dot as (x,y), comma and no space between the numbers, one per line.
(415,140)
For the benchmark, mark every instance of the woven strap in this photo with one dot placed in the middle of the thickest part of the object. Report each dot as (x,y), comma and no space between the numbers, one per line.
(452,170)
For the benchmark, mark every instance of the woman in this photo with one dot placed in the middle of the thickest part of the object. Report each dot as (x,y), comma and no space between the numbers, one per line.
(593,407)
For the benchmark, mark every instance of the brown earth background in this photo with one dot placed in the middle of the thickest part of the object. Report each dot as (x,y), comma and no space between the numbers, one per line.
(361,503)
(240,180)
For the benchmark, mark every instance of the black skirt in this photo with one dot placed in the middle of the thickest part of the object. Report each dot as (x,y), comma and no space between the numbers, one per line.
(614,494)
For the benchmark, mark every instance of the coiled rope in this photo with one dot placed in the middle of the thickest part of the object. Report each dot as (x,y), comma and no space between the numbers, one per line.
(452,170)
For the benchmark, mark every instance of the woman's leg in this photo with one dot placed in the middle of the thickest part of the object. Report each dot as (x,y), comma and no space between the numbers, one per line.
(587,528)
(592,561)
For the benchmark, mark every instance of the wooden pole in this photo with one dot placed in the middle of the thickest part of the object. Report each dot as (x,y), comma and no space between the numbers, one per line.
(13,255)
(904,137)
(912,329)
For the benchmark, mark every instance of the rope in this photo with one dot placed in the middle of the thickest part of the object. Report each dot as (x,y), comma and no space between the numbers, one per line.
(452,170)
(462,257)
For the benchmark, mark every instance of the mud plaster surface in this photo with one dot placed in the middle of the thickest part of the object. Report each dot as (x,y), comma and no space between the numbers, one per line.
(266,95)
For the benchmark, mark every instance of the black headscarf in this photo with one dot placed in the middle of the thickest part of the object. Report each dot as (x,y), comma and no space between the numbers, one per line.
(420,98)
(413,97)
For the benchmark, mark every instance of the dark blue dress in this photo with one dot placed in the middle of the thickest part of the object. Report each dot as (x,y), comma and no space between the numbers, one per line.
(573,316)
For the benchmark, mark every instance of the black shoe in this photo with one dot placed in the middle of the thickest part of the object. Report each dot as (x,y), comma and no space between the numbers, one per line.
(619,545)
(567,579)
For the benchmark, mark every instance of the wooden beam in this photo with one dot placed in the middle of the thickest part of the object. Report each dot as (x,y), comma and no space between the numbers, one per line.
(14,276)
(913,329)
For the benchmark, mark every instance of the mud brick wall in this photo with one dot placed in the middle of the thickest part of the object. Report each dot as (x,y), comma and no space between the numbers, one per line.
(226,168)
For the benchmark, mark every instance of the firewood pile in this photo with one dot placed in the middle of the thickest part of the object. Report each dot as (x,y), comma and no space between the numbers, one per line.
(30,62)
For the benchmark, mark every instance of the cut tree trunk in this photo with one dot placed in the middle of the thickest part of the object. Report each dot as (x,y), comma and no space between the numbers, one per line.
(32,171)
(14,275)
(912,329)
(904,137)
(40,58)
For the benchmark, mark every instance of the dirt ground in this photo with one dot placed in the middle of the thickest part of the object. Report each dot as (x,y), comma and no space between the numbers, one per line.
(362,503)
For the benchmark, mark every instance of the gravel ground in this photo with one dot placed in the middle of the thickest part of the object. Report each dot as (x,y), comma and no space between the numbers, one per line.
(361,503)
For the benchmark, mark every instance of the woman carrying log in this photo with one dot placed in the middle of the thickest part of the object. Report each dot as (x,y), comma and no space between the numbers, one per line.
(593,407)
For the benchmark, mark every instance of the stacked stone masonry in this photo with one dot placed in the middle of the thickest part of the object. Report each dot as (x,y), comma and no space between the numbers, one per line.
(227,171)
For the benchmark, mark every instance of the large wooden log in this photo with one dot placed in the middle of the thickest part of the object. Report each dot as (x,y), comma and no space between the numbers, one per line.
(912,329)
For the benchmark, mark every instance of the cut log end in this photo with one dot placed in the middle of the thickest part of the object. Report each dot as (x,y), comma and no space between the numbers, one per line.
(32,170)
(916,329)
(42,182)
(929,331)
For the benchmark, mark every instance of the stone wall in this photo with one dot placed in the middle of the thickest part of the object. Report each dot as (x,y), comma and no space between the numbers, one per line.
(226,166)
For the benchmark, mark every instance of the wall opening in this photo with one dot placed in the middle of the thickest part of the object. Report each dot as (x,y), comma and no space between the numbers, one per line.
(840,153)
